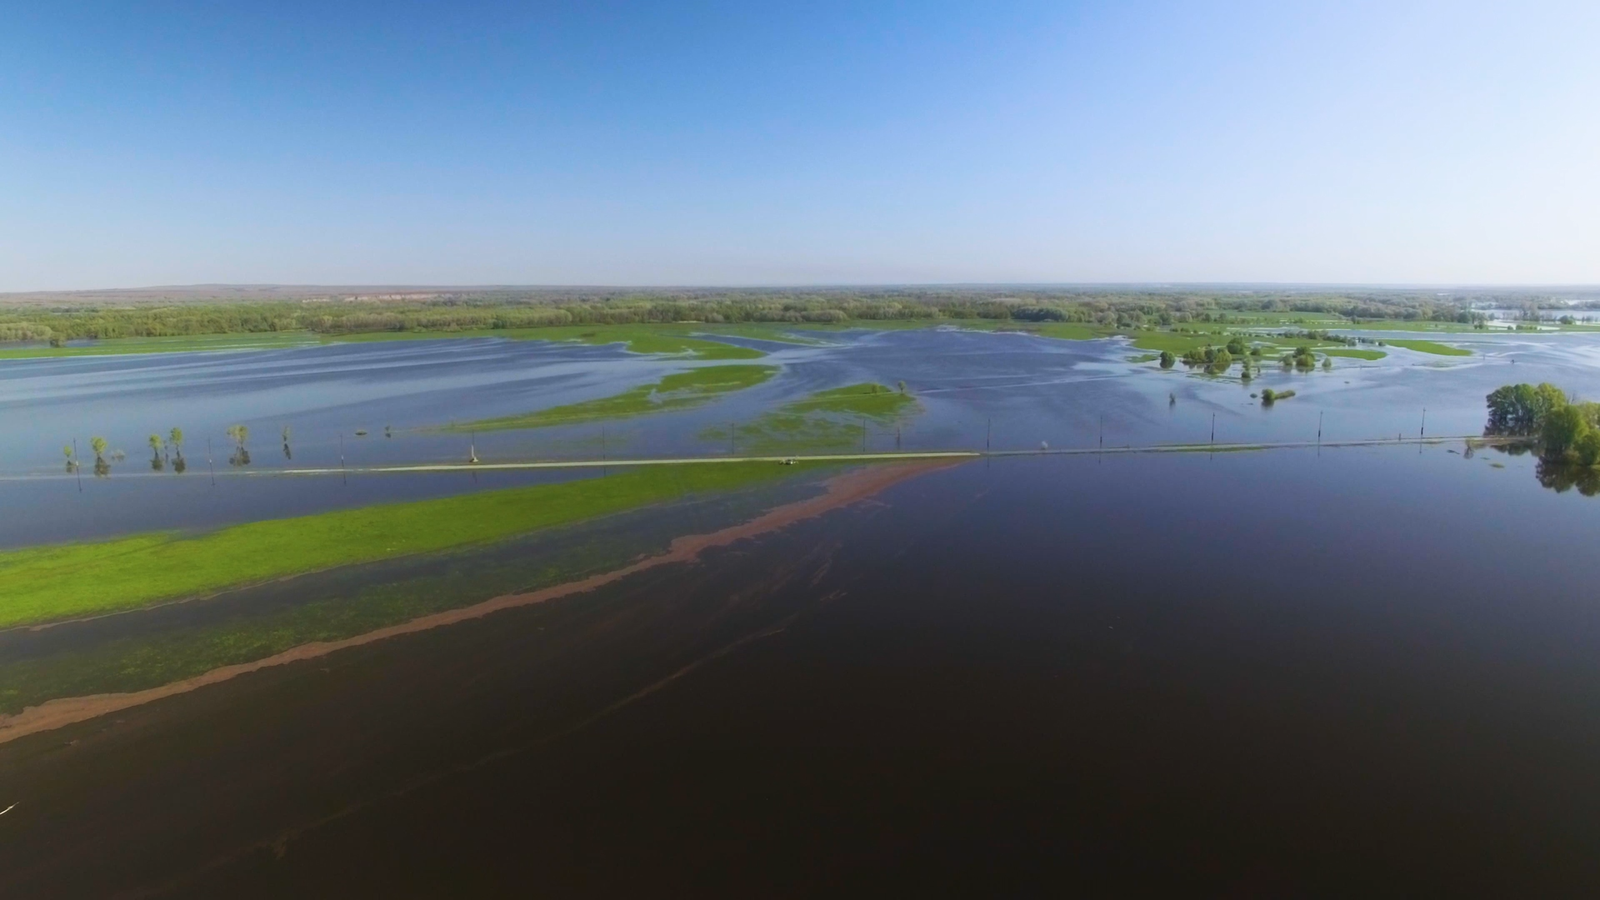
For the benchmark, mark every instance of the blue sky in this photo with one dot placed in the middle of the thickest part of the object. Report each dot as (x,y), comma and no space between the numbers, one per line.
(765,144)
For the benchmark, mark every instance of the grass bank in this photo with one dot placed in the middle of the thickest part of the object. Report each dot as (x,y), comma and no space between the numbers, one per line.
(66,581)
(682,390)
(1355,354)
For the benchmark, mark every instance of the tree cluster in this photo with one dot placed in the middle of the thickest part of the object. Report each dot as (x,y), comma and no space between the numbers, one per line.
(1566,430)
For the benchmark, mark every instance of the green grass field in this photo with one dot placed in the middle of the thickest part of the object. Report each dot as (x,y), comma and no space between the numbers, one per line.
(681,390)
(67,581)
(1430,347)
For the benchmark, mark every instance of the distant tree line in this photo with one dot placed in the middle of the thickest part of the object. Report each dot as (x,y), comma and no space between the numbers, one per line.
(490,310)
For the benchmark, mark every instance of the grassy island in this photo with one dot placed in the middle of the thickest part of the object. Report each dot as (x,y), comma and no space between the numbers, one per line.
(825,420)
(681,390)
(1434,347)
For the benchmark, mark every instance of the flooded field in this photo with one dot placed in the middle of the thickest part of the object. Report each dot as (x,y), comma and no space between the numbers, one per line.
(1341,671)
(974,390)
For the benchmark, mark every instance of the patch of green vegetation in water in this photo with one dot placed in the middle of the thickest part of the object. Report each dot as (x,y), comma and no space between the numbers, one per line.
(1430,347)
(1355,354)
(682,390)
(826,420)
(65,581)
(338,605)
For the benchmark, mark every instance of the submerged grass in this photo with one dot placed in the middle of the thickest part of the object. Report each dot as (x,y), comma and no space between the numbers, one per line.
(358,600)
(826,420)
(681,390)
(1430,347)
(664,339)
(1356,354)
(144,661)
(66,581)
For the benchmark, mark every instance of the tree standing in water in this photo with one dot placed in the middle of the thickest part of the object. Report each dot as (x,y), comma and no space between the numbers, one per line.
(240,434)
(101,467)
(175,440)
(155,452)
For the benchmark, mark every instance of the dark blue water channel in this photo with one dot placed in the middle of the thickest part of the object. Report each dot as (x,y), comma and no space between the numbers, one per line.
(1364,672)
(1010,391)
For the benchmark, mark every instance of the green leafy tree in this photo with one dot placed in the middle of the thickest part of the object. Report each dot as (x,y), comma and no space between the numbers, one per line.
(175,438)
(1168,359)
(1521,409)
(98,445)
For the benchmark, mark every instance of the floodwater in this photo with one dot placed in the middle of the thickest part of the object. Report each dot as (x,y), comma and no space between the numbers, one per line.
(1360,671)
(1005,391)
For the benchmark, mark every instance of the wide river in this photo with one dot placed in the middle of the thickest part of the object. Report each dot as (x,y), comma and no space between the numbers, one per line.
(1365,671)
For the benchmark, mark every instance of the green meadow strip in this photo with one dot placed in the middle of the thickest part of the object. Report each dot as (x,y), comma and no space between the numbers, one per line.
(67,581)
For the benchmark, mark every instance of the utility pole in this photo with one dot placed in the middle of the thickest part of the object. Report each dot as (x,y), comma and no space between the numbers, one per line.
(342,476)
(1319,428)
(77,466)
(1102,431)
(1213,428)
(1424,432)
(209,464)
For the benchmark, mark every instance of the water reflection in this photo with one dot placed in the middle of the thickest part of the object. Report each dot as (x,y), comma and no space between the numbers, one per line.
(1562,477)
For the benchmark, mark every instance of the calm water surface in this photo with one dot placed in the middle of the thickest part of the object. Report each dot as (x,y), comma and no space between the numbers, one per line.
(1370,671)
(1366,672)
(1012,391)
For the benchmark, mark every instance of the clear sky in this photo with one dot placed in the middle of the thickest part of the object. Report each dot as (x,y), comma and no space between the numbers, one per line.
(765,143)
